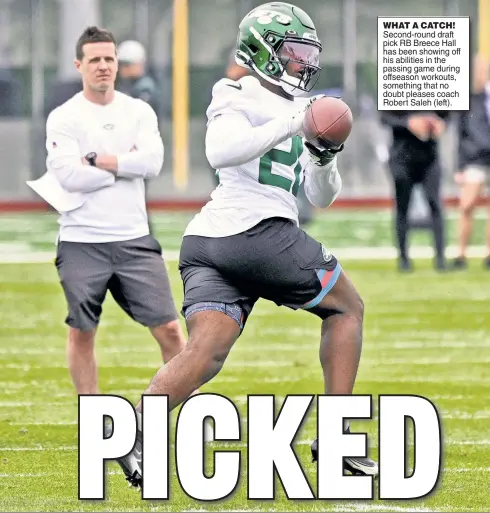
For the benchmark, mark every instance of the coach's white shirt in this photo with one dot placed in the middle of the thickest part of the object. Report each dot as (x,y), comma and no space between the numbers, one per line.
(114,208)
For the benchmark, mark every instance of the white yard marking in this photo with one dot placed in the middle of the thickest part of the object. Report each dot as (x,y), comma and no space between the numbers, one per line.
(61,448)
(45,423)
(21,253)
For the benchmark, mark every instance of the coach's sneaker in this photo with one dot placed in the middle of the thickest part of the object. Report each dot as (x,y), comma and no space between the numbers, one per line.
(356,466)
(131,464)
(459,263)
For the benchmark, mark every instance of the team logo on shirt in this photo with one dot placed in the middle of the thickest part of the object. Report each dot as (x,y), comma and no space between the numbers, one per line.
(108,127)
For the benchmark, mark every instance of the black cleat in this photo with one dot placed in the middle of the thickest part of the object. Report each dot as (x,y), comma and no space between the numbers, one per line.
(131,464)
(361,466)
(459,263)
(356,466)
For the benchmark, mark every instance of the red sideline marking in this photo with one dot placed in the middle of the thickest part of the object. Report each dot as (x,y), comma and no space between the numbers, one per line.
(193,205)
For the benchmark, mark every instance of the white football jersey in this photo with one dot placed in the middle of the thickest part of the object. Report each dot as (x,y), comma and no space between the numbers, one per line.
(263,187)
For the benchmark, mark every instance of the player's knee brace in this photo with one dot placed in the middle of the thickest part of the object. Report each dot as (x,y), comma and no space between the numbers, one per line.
(232,310)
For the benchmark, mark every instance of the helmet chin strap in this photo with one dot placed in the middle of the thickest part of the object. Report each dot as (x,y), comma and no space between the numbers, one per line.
(243,60)
(290,86)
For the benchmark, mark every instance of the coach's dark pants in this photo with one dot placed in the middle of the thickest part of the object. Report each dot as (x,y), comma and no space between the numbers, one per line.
(406,172)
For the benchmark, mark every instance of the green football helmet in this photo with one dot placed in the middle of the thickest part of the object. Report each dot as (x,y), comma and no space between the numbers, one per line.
(279,42)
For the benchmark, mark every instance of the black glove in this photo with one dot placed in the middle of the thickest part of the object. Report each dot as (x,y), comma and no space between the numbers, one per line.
(323,155)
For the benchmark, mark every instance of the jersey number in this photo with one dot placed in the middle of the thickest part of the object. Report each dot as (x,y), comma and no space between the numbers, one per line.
(287,158)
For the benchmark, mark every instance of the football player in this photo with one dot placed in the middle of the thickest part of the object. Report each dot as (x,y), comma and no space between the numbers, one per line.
(246,244)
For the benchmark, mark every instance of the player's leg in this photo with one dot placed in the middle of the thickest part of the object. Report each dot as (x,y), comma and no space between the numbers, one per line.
(471,190)
(215,313)
(308,277)
(212,334)
(431,184)
(301,274)
(141,286)
(342,314)
(403,185)
(84,271)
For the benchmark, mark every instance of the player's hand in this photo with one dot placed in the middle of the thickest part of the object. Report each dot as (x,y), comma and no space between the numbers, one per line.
(313,99)
(459,178)
(297,120)
(323,155)
(437,126)
(296,124)
(420,126)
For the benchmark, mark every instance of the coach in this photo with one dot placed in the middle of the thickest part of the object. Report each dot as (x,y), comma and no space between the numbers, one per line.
(103,144)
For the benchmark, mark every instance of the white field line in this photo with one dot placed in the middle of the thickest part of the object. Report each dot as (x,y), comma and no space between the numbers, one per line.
(367,378)
(45,423)
(372,444)
(61,448)
(169,218)
(257,363)
(364,377)
(47,474)
(337,507)
(341,508)
(17,255)
(242,401)
(251,347)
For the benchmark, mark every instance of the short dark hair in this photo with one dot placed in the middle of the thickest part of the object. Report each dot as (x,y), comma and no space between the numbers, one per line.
(93,35)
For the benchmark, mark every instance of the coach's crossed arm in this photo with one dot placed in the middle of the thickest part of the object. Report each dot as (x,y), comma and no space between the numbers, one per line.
(65,161)
(145,159)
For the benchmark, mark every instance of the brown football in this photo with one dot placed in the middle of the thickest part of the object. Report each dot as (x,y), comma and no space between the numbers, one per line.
(329,119)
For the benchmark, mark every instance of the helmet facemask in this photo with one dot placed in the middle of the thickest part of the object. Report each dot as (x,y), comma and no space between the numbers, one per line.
(300,66)
(293,62)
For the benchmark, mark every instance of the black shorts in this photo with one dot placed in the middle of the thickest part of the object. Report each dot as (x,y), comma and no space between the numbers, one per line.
(133,271)
(274,260)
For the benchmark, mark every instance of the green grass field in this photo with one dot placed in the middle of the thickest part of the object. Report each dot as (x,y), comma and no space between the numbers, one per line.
(425,333)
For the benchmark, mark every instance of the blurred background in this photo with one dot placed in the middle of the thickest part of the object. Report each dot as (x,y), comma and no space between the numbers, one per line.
(37,40)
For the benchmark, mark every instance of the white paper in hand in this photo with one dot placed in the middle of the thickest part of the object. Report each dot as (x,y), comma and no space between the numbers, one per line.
(51,191)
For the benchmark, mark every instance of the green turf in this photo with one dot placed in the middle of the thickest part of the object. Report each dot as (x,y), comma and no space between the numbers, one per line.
(334,228)
(425,333)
